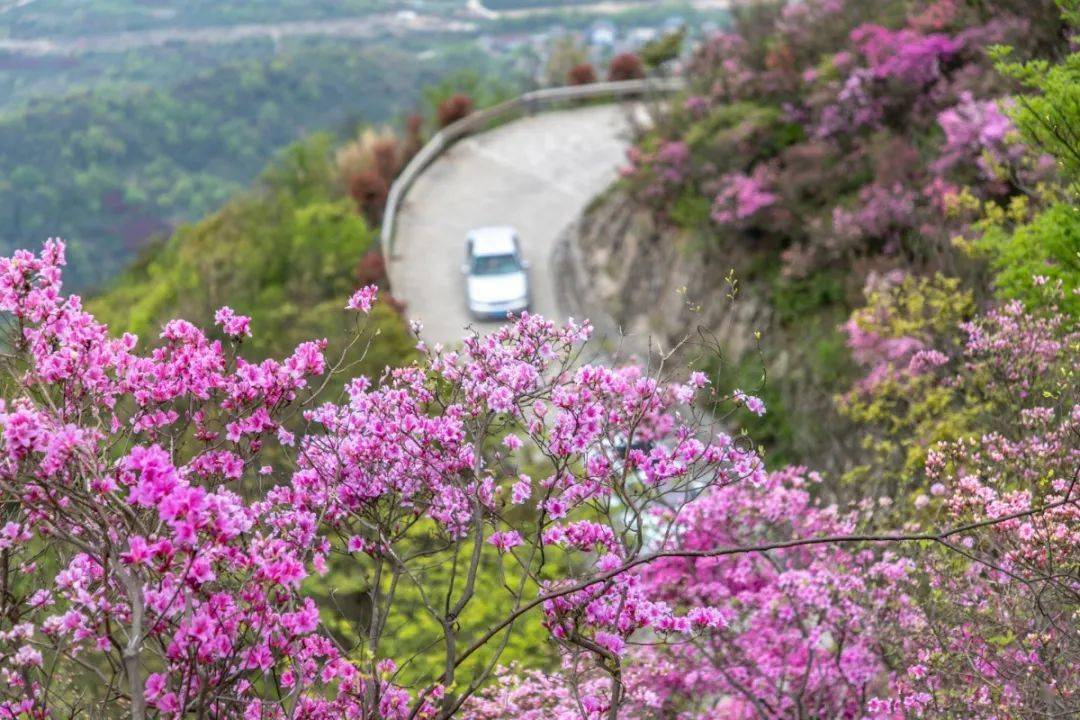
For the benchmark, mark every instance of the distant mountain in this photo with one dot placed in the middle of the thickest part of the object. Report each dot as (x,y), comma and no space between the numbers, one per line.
(110,167)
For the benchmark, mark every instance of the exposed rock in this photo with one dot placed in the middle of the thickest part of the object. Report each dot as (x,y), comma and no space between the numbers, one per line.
(657,282)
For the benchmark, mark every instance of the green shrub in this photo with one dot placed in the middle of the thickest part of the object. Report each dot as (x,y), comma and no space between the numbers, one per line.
(1047,246)
(691,210)
(1050,116)
(282,252)
(663,50)
(795,299)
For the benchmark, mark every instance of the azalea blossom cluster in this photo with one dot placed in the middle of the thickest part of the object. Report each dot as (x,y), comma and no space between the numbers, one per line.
(164,509)
(1002,634)
(614,447)
(980,623)
(802,624)
(1024,581)
(909,56)
(977,130)
(132,564)
(859,119)
(742,197)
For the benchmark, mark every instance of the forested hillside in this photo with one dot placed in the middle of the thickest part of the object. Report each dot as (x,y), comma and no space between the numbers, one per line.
(285,252)
(72,17)
(109,168)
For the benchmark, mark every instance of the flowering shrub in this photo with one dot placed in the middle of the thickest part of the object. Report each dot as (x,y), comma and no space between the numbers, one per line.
(881,217)
(582,74)
(798,630)
(935,375)
(977,420)
(165,510)
(122,549)
(851,87)
(454,108)
(905,337)
(973,127)
(625,66)
(857,107)
(1001,637)
(828,631)
(800,627)
(904,55)
(742,197)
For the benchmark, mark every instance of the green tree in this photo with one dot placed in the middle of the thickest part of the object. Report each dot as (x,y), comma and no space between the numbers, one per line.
(663,50)
(1048,114)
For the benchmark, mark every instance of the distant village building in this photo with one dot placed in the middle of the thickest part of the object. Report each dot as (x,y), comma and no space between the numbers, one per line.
(675,23)
(603,34)
(641,35)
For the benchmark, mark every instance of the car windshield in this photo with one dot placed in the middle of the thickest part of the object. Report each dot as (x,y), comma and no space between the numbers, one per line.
(495,265)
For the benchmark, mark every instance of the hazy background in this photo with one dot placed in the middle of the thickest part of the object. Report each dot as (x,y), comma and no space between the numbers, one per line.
(120,119)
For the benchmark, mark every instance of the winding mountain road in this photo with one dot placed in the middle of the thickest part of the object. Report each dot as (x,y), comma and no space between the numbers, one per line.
(537,174)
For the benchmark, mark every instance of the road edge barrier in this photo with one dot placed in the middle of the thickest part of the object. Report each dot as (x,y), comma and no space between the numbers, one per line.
(528,104)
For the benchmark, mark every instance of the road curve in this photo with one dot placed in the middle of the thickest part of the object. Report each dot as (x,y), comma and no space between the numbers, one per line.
(537,174)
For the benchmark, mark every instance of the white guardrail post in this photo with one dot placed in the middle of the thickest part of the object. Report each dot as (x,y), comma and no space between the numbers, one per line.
(529,103)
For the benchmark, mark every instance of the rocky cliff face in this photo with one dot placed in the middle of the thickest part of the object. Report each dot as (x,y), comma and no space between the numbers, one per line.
(658,283)
(650,289)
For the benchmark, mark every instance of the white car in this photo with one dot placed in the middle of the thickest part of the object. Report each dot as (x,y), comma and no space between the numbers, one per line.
(496,275)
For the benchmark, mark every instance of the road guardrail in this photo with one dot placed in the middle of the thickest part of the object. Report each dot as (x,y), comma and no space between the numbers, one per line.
(527,104)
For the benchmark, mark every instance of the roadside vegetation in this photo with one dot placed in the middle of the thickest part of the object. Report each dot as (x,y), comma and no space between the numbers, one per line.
(279,502)
(835,147)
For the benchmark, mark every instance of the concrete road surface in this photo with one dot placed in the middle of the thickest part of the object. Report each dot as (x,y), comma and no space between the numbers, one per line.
(537,174)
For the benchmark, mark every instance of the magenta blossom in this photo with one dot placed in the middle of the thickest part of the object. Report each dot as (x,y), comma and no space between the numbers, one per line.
(363,299)
(231,323)
(742,197)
